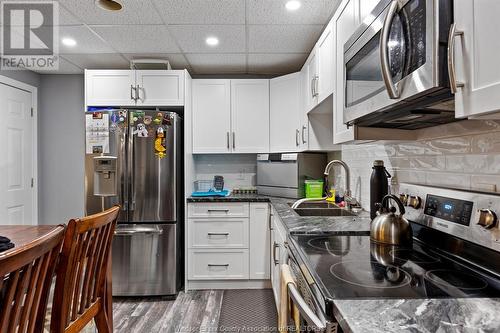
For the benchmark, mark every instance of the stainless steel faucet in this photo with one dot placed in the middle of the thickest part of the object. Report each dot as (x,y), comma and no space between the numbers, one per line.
(349,200)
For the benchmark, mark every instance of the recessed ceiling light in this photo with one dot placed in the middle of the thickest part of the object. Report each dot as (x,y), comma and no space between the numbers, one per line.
(108,4)
(293,5)
(212,41)
(68,41)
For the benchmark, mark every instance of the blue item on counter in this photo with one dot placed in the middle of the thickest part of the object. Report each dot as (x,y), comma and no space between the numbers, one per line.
(223,193)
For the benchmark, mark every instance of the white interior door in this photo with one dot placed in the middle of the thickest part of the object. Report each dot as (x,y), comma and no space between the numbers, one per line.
(16,164)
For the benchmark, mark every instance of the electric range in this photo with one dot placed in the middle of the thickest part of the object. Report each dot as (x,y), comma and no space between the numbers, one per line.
(455,254)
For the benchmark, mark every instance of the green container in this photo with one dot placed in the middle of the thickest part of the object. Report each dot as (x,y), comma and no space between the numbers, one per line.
(314,188)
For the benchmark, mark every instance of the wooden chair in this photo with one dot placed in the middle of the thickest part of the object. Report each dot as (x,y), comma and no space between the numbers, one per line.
(25,278)
(80,292)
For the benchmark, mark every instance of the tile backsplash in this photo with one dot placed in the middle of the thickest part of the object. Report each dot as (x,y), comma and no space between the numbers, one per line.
(238,170)
(470,160)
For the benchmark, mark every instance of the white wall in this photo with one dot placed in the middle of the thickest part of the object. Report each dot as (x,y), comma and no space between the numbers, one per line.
(461,155)
(61,148)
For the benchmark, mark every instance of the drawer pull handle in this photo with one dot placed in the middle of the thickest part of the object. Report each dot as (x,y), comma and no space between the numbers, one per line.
(218,210)
(218,234)
(218,265)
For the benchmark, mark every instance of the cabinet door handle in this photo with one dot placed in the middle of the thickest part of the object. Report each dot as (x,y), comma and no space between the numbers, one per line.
(454,85)
(303,134)
(228,146)
(218,265)
(234,140)
(138,92)
(271,221)
(297,135)
(312,86)
(275,246)
(133,92)
(316,86)
(218,234)
(218,210)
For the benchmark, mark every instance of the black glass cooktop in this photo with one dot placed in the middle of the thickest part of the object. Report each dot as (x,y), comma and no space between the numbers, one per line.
(347,266)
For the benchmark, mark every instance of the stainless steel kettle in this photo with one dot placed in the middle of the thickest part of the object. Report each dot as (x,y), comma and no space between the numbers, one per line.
(391,228)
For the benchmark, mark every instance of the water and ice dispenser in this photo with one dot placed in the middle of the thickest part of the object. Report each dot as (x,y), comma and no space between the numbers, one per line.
(105,178)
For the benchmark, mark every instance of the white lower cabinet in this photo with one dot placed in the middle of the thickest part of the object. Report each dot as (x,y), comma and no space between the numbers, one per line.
(218,264)
(279,254)
(228,241)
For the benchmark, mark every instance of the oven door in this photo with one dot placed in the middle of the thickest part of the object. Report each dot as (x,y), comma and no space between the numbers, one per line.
(391,59)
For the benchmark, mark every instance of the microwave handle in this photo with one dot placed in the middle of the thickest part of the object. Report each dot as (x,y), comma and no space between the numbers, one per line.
(454,85)
(384,52)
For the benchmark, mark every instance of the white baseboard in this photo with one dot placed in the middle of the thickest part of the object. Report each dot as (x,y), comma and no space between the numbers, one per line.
(228,284)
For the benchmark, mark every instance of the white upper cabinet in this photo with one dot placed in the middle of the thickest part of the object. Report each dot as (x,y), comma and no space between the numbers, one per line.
(365,8)
(250,116)
(311,70)
(211,116)
(345,22)
(476,58)
(160,87)
(230,116)
(110,87)
(325,55)
(285,126)
(134,88)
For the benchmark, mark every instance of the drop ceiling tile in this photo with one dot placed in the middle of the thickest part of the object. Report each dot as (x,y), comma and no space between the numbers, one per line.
(274,12)
(98,61)
(191,38)
(278,63)
(86,41)
(217,63)
(283,38)
(133,12)
(64,17)
(139,38)
(177,61)
(65,67)
(202,11)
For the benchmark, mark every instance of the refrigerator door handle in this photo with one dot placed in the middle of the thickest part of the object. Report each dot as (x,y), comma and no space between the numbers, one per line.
(124,184)
(131,167)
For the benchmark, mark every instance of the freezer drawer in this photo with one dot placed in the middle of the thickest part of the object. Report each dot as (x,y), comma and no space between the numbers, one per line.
(144,260)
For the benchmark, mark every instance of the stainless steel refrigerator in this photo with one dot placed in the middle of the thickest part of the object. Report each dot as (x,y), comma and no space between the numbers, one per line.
(134,159)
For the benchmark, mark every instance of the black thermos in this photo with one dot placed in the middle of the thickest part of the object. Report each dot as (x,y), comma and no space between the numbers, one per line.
(379,186)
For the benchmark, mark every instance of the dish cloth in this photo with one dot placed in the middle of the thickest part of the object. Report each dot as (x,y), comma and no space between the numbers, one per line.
(5,244)
(287,309)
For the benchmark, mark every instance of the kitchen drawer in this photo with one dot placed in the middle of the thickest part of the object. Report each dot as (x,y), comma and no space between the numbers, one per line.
(218,209)
(217,264)
(218,232)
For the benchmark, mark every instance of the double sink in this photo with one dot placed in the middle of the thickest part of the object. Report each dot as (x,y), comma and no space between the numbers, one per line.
(322,208)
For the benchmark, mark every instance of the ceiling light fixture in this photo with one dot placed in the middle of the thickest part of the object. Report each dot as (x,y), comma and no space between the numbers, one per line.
(68,41)
(293,5)
(212,41)
(108,4)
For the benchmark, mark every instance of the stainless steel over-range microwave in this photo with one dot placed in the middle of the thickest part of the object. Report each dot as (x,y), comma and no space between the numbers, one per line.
(399,66)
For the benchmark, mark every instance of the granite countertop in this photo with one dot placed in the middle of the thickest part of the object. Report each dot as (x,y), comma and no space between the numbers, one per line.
(469,315)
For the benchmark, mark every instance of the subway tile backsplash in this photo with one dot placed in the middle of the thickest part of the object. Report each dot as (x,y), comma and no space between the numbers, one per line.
(469,161)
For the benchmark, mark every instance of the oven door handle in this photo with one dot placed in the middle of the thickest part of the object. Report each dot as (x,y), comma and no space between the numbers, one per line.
(304,309)
(384,52)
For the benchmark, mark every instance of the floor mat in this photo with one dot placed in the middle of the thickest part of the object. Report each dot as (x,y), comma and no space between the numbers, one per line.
(248,311)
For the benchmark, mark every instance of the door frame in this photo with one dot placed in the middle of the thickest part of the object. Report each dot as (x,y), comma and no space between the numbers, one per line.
(34,102)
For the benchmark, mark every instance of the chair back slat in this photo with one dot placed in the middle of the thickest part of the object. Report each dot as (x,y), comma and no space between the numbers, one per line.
(82,270)
(26,274)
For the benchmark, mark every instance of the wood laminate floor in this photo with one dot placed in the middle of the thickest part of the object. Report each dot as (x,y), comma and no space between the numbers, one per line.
(196,311)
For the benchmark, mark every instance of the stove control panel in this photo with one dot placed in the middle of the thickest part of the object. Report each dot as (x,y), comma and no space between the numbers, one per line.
(449,209)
